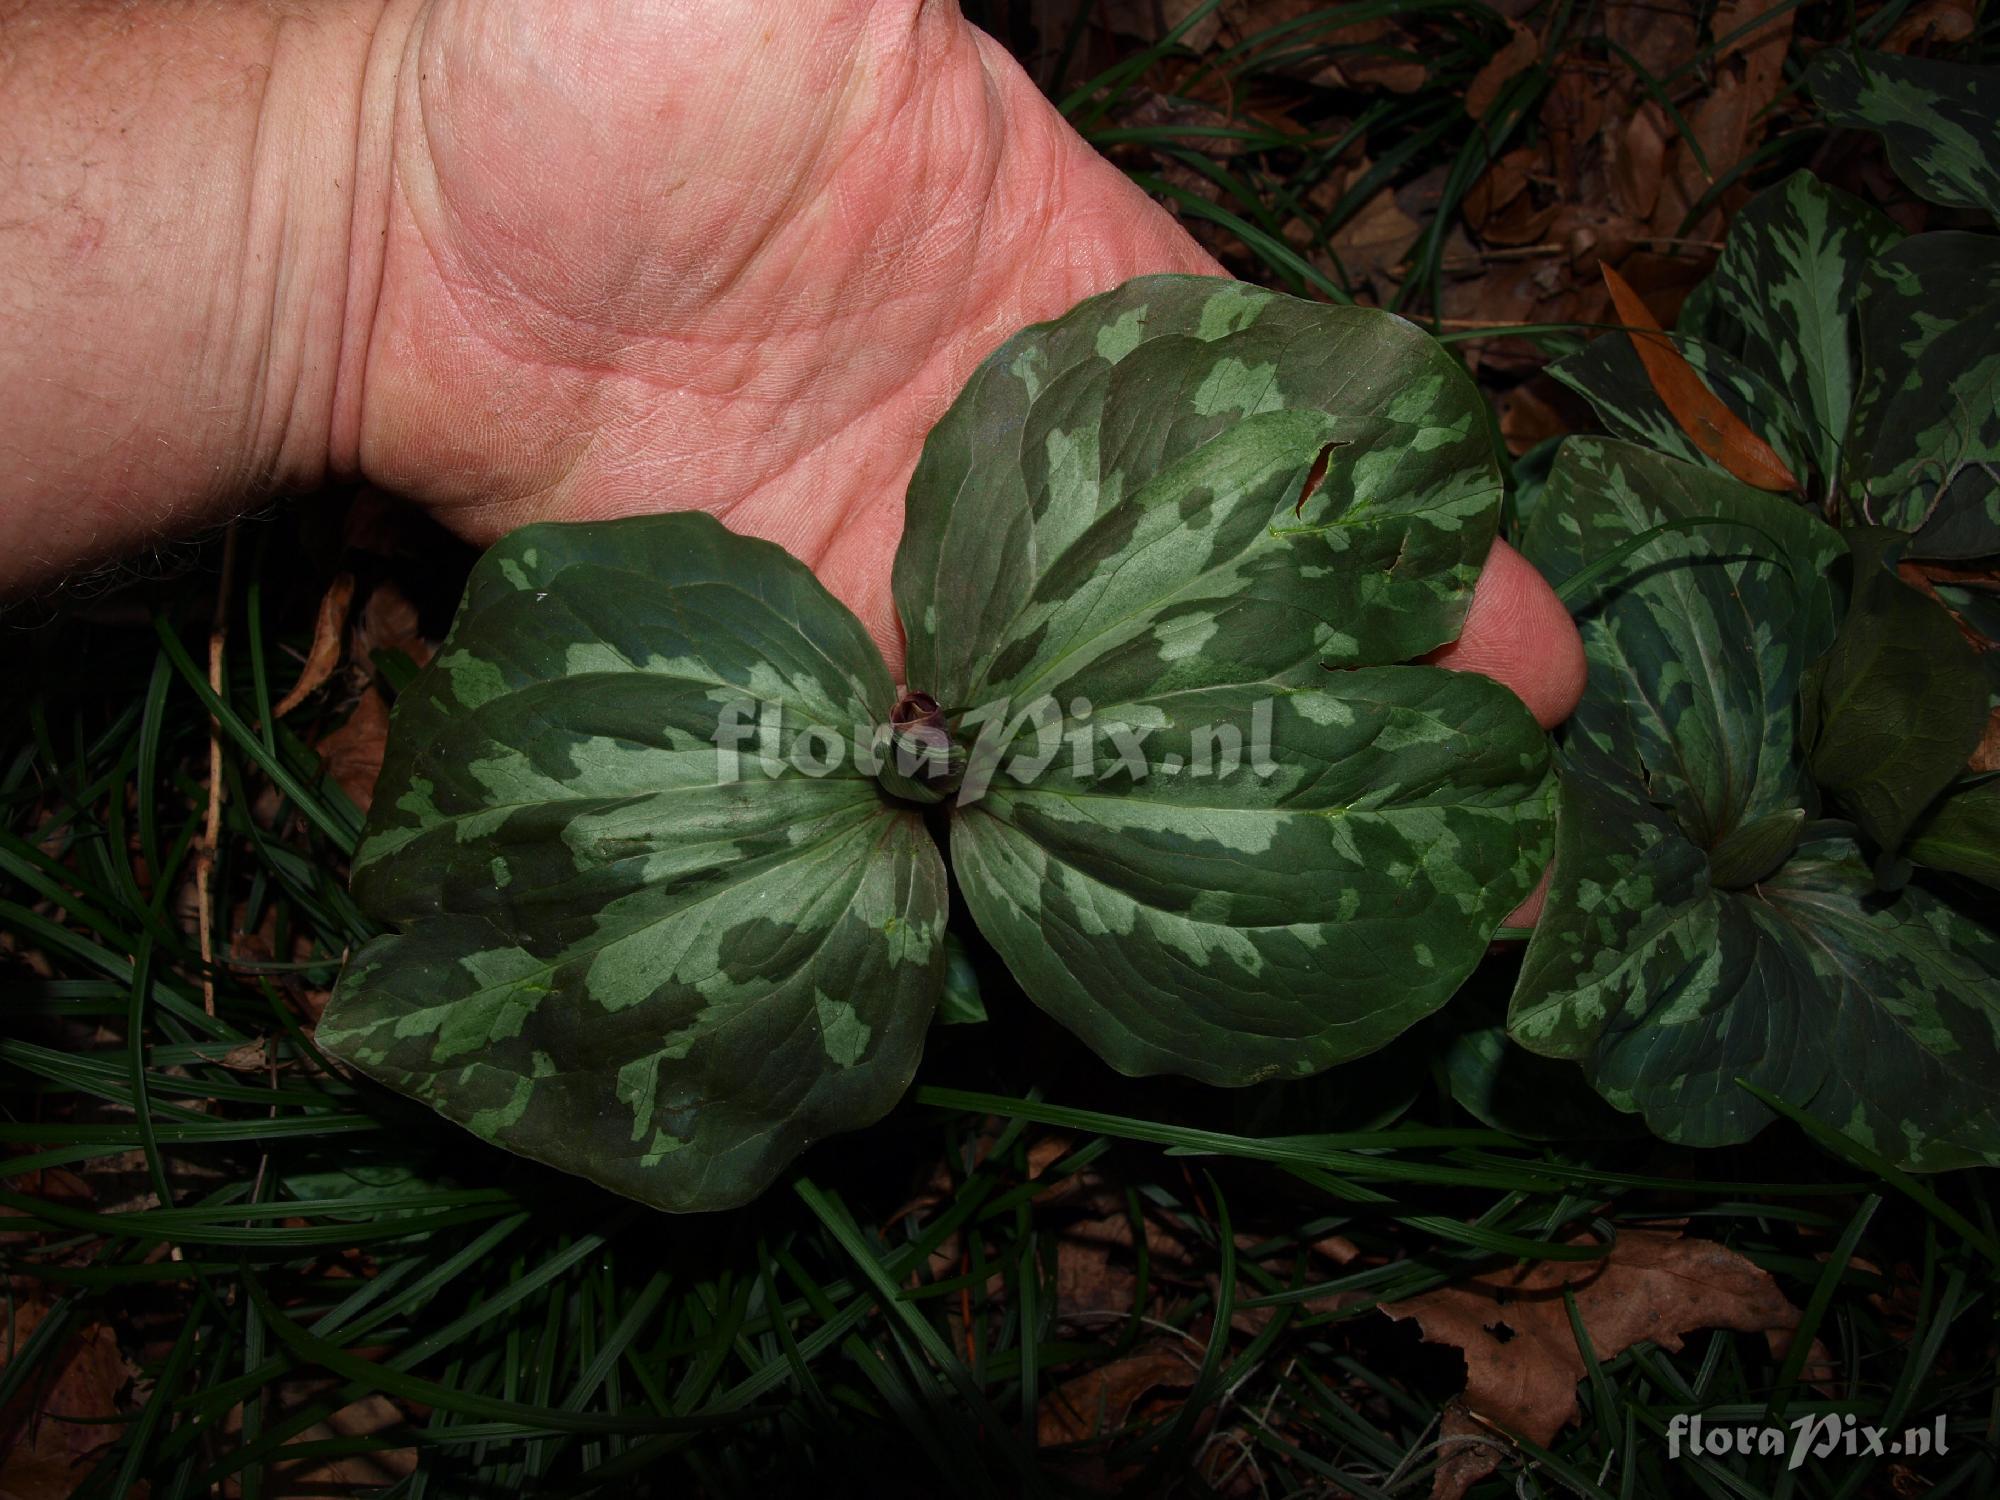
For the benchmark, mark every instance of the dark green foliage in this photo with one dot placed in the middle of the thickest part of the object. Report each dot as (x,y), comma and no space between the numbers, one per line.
(1961,833)
(667,908)
(612,957)
(1695,940)
(1113,516)
(1782,299)
(528,1334)
(1870,363)
(1897,705)
(1925,437)
(1940,120)
(534,1336)
(1687,944)
(1752,852)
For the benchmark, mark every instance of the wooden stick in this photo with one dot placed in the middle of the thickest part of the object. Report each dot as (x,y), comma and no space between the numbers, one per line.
(211,834)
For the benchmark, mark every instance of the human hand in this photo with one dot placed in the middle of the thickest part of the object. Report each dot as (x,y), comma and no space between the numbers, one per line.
(740,256)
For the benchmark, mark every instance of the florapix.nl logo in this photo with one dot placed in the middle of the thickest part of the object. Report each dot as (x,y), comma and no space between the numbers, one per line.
(1818,1435)
(965,751)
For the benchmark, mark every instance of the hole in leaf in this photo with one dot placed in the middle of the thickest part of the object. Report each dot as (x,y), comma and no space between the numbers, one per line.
(1314,475)
(1502,1333)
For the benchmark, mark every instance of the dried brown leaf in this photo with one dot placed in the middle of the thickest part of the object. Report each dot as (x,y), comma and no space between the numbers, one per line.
(1497,188)
(1573,114)
(1661,34)
(1152,19)
(329,632)
(1750,70)
(389,622)
(1766,27)
(1337,1248)
(1715,429)
(1526,418)
(1521,1357)
(1501,69)
(54,1430)
(245,1057)
(348,1473)
(1102,1400)
(352,754)
(1096,1260)
(1641,154)
(1986,755)
(1372,54)
(1467,1452)
(1377,238)
(1937,22)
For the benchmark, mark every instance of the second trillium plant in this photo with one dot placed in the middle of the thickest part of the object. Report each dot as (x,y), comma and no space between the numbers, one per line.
(664,847)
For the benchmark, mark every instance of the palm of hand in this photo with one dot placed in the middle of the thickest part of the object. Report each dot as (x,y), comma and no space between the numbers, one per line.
(645,256)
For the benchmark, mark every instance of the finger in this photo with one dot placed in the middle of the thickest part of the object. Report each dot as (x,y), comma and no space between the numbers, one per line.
(1518,633)
(1529,912)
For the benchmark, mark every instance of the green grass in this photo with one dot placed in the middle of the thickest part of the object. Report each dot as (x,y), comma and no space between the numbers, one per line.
(273,1241)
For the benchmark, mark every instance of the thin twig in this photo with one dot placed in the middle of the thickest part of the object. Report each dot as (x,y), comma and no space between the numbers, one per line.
(211,833)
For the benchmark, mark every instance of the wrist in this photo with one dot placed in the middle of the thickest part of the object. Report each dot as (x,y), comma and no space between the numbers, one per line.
(178,272)
(318,210)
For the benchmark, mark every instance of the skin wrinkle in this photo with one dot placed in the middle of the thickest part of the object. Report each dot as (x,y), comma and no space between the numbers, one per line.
(391,41)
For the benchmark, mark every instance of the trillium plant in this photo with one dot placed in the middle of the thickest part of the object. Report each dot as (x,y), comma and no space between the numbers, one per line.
(665,847)
(1780,831)
(664,850)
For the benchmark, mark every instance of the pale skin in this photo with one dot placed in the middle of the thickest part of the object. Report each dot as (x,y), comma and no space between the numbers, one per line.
(549,259)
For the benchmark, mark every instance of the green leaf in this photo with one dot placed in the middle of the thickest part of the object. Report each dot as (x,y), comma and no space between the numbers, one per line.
(1696,649)
(1940,121)
(1962,833)
(1609,375)
(1878,1015)
(960,1003)
(1898,702)
(1752,852)
(1925,435)
(629,947)
(1504,1085)
(1240,927)
(1782,298)
(1682,771)
(1113,498)
(1194,834)
(1934,463)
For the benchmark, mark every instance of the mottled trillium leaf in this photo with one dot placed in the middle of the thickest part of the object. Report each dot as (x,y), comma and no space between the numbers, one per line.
(1166,551)
(1897,705)
(1781,300)
(1877,1015)
(1697,645)
(1928,310)
(1241,927)
(617,951)
(1940,121)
